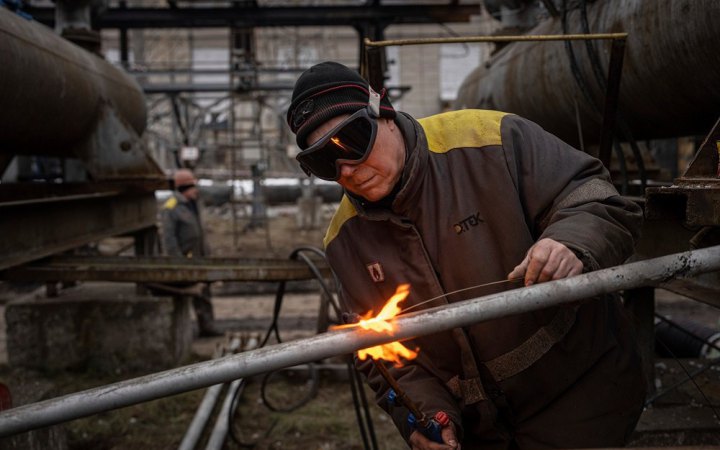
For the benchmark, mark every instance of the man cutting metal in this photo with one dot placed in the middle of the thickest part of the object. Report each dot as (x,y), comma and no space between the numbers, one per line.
(464,199)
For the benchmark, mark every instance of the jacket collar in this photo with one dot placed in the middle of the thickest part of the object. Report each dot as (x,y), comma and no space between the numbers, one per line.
(411,179)
(415,162)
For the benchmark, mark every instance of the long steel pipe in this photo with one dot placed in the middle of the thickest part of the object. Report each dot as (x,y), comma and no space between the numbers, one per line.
(669,78)
(644,273)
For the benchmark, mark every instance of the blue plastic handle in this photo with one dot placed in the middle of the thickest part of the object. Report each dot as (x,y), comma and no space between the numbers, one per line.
(431,431)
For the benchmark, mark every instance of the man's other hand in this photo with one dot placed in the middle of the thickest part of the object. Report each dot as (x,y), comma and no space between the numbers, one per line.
(418,441)
(547,260)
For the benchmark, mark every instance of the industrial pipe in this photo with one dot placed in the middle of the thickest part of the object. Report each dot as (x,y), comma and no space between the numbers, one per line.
(669,80)
(344,341)
(222,421)
(53,92)
(195,430)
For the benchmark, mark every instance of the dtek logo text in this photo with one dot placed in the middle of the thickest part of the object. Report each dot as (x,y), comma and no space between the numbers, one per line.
(468,222)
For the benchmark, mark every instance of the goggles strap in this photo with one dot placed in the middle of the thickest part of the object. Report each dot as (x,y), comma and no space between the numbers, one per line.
(374,101)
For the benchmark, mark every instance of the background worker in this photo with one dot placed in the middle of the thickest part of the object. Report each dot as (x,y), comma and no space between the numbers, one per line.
(459,200)
(183,236)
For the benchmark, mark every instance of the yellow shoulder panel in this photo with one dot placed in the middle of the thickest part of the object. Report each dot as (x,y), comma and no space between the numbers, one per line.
(463,128)
(344,212)
(170,203)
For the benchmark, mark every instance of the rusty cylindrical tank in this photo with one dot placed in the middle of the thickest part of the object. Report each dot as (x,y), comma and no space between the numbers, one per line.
(52,91)
(669,83)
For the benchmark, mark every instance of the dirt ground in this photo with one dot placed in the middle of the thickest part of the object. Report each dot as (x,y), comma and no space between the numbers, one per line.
(327,421)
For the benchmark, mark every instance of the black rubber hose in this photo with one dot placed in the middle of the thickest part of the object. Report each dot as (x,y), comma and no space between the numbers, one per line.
(312,392)
(585,90)
(623,166)
(599,73)
(356,404)
(574,68)
(689,377)
(298,253)
(231,417)
(274,328)
(359,399)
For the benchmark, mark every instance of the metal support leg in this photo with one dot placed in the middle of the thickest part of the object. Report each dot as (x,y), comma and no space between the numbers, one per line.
(145,245)
(640,303)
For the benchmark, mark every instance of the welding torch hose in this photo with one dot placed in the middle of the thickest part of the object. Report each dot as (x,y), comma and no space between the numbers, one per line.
(367,431)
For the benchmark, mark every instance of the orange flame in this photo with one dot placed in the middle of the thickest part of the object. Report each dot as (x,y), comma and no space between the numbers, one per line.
(394,351)
(338,142)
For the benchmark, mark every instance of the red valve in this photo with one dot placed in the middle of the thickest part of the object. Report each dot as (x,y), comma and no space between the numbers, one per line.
(442,418)
(5,398)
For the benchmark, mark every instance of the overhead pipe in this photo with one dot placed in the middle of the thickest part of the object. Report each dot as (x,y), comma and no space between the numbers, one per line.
(59,100)
(668,40)
(651,272)
(52,90)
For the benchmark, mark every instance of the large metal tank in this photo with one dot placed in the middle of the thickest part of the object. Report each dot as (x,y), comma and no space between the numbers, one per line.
(57,99)
(669,81)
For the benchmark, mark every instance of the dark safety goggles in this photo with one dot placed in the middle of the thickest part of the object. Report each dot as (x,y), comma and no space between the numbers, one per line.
(350,142)
(185,187)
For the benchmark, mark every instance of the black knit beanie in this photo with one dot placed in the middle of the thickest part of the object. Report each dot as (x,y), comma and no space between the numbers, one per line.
(327,90)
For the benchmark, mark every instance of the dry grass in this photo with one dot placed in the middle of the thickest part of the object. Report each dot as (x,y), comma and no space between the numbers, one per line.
(326,422)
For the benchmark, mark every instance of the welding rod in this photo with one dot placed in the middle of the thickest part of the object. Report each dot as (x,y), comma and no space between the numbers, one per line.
(650,272)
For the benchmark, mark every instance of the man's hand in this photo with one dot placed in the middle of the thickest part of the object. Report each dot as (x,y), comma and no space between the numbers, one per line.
(547,260)
(418,441)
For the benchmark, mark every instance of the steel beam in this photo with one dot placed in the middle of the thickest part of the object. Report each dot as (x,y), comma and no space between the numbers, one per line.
(39,227)
(177,88)
(256,16)
(694,198)
(162,270)
(651,272)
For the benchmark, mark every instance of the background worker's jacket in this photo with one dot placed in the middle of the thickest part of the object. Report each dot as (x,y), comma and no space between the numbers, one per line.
(182,228)
(478,190)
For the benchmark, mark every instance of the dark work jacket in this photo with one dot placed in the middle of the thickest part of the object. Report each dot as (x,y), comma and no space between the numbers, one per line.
(479,188)
(182,228)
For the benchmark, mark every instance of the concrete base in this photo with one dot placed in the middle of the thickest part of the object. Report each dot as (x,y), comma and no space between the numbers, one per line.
(26,387)
(103,327)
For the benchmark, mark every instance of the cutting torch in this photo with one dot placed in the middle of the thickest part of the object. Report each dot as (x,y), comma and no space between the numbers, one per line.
(431,428)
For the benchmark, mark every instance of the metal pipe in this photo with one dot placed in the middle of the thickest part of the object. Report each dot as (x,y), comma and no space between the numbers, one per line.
(222,422)
(344,341)
(53,91)
(515,38)
(194,431)
(668,39)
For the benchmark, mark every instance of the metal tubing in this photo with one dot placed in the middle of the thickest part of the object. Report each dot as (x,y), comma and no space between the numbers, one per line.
(52,91)
(515,38)
(194,431)
(651,272)
(222,422)
(668,39)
